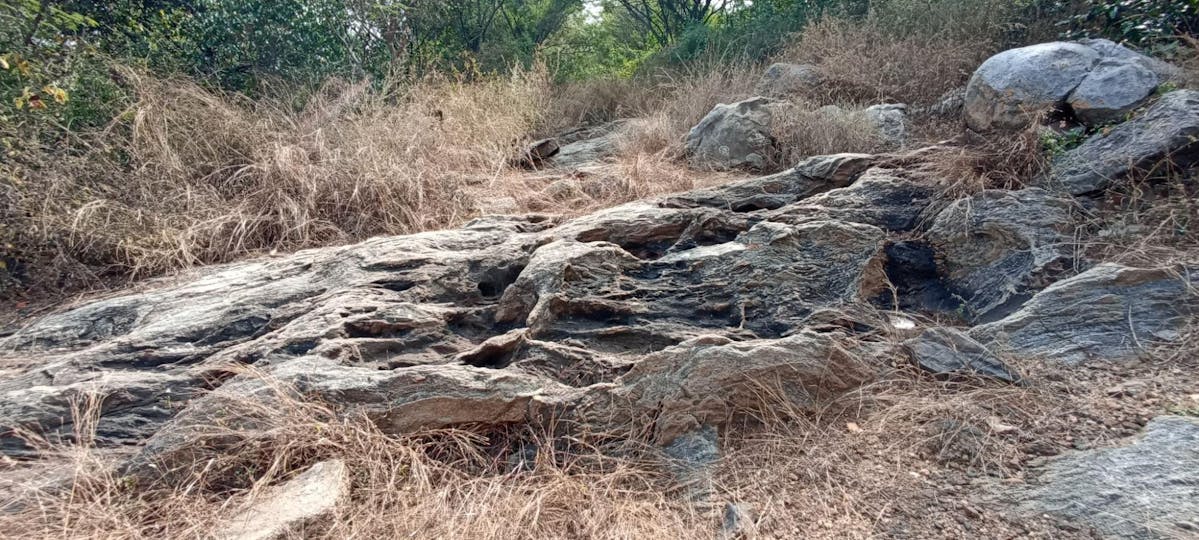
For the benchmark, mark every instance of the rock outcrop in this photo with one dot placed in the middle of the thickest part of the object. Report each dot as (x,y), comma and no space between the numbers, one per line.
(1163,138)
(1108,313)
(507,320)
(1142,490)
(1096,80)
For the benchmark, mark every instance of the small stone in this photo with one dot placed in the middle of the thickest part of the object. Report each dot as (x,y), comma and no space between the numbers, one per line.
(949,352)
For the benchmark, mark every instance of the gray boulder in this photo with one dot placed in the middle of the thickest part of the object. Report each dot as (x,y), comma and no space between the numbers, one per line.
(1110,312)
(736,135)
(1166,135)
(952,353)
(998,247)
(783,79)
(1097,79)
(891,122)
(1143,490)
(1111,91)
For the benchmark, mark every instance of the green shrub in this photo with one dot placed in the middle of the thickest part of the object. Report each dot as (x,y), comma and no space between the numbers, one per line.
(1154,25)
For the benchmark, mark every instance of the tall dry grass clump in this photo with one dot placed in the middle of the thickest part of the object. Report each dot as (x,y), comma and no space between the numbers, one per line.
(679,101)
(438,484)
(866,63)
(189,176)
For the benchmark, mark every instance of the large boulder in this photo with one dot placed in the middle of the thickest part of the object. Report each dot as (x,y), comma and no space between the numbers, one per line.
(998,247)
(1166,135)
(1110,312)
(1098,80)
(1142,490)
(736,135)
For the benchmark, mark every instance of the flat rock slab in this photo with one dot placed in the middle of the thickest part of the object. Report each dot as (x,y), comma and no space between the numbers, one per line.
(286,508)
(1148,489)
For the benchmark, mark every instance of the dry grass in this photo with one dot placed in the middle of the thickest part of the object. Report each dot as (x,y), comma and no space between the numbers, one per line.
(190,177)
(902,455)
(865,63)
(680,102)
(802,132)
(971,163)
(1146,222)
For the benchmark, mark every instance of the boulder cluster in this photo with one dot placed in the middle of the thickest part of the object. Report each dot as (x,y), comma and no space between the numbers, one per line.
(664,315)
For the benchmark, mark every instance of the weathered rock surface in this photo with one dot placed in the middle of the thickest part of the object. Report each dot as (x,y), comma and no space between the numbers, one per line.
(287,508)
(996,247)
(1148,489)
(1164,136)
(588,146)
(1098,80)
(735,135)
(638,308)
(879,198)
(891,121)
(665,316)
(782,79)
(1111,312)
(811,176)
(949,352)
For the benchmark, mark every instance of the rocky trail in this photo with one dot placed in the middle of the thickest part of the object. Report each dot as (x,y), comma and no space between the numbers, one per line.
(664,320)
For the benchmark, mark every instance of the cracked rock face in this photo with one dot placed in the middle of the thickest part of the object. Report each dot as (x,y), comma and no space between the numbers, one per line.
(638,309)
(669,316)
(1099,81)
(997,246)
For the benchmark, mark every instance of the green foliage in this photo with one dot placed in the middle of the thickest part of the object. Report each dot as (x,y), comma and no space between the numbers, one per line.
(1056,143)
(51,81)
(1155,25)
(587,48)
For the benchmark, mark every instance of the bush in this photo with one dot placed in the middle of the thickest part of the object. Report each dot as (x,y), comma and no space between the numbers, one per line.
(1154,25)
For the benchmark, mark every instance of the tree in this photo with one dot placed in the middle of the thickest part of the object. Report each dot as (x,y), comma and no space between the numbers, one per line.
(666,20)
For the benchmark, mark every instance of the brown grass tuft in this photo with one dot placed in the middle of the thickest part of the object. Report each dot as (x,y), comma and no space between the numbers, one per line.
(191,177)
